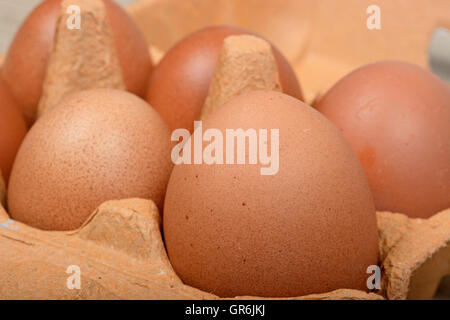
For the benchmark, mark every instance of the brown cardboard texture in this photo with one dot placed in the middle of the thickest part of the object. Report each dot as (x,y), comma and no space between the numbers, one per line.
(77,53)
(118,253)
(415,254)
(245,63)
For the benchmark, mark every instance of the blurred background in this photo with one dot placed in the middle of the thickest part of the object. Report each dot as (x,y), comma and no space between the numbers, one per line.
(12,13)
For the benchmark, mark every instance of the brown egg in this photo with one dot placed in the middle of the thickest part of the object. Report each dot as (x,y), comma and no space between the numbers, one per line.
(309,227)
(397,118)
(12,130)
(179,84)
(26,62)
(2,191)
(95,146)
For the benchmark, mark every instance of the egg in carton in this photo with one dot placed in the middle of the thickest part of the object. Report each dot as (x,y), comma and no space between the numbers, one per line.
(120,253)
(313,35)
(62,42)
(323,39)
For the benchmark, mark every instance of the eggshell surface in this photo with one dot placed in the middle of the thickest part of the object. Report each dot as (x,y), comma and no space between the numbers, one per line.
(396,116)
(309,228)
(95,146)
(179,84)
(26,62)
(131,48)
(12,130)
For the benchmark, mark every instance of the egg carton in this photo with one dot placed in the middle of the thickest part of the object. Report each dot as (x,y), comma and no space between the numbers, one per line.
(119,250)
(119,254)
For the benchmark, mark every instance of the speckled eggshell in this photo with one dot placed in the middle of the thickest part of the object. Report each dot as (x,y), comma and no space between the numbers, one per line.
(26,62)
(310,228)
(397,118)
(12,130)
(95,146)
(179,84)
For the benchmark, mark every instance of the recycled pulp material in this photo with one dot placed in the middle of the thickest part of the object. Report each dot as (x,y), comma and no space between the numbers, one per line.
(118,253)
(76,53)
(415,254)
(245,63)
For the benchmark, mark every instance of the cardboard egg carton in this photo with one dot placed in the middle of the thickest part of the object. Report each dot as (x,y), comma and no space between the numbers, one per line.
(75,54)
(414,253)
(119,254)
